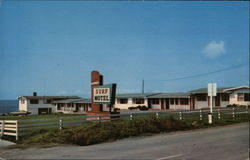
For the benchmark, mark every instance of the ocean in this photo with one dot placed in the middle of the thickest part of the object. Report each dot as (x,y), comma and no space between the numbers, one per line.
(7,106)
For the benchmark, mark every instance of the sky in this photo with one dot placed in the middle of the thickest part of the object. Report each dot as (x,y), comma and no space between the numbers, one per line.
(51,47)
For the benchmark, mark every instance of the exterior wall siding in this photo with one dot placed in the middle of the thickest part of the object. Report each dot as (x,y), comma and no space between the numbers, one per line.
(179,107)
(233,97)
(33,108)
(22,106)
(224,104)
(129,104)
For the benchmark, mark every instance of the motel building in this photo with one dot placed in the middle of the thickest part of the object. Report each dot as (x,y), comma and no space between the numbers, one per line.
(195,99)
(78,105)
(52,104)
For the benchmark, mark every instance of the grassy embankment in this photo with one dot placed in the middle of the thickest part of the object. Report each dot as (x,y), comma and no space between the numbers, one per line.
(93,133)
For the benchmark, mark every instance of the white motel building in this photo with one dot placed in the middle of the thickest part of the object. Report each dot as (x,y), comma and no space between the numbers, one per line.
(195,99)
(52,104)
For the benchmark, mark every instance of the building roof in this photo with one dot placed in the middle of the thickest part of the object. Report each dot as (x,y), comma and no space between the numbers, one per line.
(236,88)
(134,95)
(204,90)
(49,97)
(79,100)
(171,95)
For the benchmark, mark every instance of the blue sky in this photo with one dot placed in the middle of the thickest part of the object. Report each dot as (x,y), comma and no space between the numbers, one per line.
(52,47)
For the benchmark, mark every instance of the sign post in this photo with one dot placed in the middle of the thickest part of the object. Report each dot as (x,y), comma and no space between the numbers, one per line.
(101,95)
(212,91)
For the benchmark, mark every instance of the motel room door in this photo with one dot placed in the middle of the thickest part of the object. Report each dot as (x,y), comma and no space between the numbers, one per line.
(192,103)
(162,103)
(167,103)
(217,100)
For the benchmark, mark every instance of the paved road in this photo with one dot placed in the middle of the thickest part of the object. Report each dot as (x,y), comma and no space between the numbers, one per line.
(229,143)
(4,143)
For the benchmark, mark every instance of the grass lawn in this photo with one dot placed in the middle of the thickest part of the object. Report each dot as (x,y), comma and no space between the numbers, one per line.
(32,117)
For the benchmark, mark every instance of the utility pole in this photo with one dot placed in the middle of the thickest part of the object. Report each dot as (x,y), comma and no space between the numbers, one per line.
(142,90)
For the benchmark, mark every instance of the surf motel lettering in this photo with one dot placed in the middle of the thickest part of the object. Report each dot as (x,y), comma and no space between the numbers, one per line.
(102,95)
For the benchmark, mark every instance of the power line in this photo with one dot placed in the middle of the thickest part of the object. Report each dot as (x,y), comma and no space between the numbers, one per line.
(204,74)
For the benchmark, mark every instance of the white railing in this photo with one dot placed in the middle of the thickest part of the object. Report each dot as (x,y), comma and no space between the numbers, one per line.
(9,127)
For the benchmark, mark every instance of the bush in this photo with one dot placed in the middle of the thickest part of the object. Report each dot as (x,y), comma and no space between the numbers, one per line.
(232,105)
(94,133)
(132,108)
(143,108)
(116,109)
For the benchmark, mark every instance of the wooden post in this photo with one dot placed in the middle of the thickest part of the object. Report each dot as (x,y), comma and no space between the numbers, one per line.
(17,130)
(180,115)
(233,113)
(200,115)
(60,123)
(2,128)
(218,113)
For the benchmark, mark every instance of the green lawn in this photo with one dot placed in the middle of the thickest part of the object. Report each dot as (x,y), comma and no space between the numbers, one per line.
(32,117)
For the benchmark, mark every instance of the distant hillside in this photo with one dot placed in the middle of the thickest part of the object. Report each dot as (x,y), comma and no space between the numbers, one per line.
(8,106)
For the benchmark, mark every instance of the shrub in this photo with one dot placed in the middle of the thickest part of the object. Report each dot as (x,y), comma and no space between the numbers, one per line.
(116,109)
(143,108)
(133,108)
(94,133)
(232,105)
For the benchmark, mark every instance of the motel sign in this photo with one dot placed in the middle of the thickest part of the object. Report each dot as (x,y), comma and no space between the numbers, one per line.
(104,94)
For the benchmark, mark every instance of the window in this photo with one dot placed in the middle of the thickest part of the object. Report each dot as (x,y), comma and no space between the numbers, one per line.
(34,101)
(138,101)
(240,97)
(176,101)
(247,97)
(123,101)
(47,101)
(22,101)
(184,101)
(59,106)
(155,101)
(172,101)
(224,97)
(202,97)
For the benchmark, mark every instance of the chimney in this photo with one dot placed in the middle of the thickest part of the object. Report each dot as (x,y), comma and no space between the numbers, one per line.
(34,94)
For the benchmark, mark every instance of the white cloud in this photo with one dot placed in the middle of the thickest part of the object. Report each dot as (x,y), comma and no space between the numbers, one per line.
(1,3)
(214,49)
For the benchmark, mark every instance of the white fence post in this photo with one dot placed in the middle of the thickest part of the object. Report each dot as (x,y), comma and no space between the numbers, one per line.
(60,123)
(233,113)
(218,113)
(157,115)
(17,130)
(2,128)
(180,115)
(131,116)
(200,114)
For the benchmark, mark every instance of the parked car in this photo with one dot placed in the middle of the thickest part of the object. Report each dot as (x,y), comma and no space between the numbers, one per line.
(19,113)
